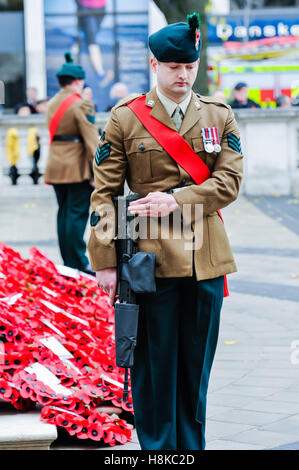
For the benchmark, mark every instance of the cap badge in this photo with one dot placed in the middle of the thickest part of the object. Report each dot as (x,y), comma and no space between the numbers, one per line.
(197,39)
(194,25)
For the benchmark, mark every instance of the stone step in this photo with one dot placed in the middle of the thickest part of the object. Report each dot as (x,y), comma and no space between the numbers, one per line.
(24,430)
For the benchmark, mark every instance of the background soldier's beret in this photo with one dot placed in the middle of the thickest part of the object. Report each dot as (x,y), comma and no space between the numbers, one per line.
(178,42)
(70,69)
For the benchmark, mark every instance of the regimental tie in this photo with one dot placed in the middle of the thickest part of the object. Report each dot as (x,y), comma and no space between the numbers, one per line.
(177,117)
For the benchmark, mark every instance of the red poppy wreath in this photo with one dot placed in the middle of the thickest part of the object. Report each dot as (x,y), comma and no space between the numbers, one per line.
(57,348)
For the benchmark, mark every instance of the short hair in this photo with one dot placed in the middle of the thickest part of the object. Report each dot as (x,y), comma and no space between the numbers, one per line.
(21,105)
(65,80)
(240,85)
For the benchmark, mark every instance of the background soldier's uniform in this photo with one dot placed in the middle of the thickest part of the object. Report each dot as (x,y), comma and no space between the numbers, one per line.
(178,324)
(69,170)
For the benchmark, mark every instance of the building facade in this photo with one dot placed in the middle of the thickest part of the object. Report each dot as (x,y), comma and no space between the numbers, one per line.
(108,38)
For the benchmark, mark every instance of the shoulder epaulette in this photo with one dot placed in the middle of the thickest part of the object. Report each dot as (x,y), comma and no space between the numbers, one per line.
(212,99)
(128,99)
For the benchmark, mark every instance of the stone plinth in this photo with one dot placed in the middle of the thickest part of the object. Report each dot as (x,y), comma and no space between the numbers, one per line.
(25,431)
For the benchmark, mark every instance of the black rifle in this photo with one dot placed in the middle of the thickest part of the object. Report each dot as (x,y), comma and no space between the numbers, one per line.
(135,274)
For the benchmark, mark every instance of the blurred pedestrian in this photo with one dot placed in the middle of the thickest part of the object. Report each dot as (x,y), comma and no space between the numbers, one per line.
(283,101)
(31,102)
(220,95)
(241,100)
(91,14)
(87,94)
(32,94)
(117,92)
(42,106)
(73,142)
(23,109)
(295,100)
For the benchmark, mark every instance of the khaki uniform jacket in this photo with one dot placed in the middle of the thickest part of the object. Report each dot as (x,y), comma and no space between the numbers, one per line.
(137,157)
(71,162)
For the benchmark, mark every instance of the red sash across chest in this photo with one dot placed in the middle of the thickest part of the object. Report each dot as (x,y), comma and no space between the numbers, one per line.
(60,111)
(176,146)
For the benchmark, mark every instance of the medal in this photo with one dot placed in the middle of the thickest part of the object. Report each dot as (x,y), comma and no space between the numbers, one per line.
(209,147)
(207,139)
(216,140)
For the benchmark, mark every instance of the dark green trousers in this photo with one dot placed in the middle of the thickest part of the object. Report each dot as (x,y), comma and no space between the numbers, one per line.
(177,337)
(73,211)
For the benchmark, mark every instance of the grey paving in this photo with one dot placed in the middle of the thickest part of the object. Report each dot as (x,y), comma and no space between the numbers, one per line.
(266,289)
(253,399)
(284,209)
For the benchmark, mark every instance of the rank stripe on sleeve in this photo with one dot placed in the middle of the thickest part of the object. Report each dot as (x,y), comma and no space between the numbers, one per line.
(234,147)
(234,143)
(233,137)
(102,153)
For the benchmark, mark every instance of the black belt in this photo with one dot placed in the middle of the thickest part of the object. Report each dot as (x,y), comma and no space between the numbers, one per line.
(67,138)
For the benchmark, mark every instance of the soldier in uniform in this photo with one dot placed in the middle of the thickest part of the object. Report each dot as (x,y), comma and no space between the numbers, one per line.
(179,323)
(74,139)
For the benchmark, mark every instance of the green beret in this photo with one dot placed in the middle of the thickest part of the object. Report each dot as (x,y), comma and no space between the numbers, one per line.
(70,69)
(178,42)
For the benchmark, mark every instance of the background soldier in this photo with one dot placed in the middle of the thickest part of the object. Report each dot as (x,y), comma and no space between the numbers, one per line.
(179,323)
(74,139)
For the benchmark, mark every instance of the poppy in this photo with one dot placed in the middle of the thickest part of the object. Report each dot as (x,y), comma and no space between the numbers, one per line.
(91,390)
(5,390)
(43,390)
(26,390)
(43,399)
(18,403)
(83,434)
(48,414)
(82,396)
(109,438)
(76,425)
(64,420)
(78,407)
(95,432)
(98,417)
(14,396)
(127,406)
(117,401)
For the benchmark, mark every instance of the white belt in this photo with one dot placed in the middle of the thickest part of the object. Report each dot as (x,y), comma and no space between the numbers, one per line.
(175,190)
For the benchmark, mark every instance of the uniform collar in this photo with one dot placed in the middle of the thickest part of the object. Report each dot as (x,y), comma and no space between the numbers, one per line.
(170,105)
(65,92)
(192,116)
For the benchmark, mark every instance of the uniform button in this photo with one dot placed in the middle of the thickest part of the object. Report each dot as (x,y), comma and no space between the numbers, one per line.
(141,147)
(183,182)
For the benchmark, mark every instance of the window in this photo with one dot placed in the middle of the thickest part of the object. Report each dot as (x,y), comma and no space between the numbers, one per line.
(12,51)
(107,37)
(240,4)
(11,5)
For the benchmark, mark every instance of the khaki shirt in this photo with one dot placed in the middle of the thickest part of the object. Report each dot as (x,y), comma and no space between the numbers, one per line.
(71,162)
(136,157)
